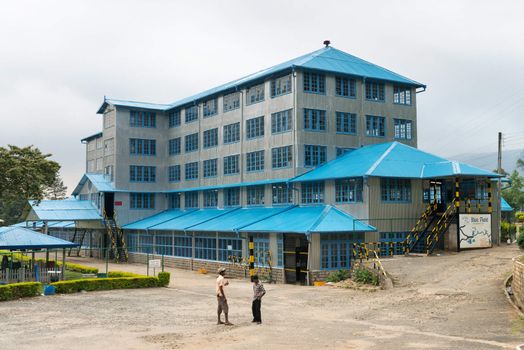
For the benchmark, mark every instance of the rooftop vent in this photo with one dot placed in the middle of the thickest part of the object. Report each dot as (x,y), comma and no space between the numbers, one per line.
(327,42)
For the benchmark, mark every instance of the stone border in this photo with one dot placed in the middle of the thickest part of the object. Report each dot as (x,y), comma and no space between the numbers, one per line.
(507,282)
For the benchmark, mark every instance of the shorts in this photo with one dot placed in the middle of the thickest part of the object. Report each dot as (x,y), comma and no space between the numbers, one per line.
(222,304)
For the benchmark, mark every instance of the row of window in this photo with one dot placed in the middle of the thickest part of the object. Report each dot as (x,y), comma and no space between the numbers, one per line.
(346,87)
(347,190)
(206,247)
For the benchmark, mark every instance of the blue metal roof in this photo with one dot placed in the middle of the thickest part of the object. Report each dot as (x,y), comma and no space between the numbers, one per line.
(40,224)
(504,206)
(156,219)
(237,219)
(193,218)
(62,210)
(391,159)
(327,59)
(100,181)
(15,238)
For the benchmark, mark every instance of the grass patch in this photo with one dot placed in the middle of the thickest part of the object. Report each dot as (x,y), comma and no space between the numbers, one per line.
(517,326)
(72,275)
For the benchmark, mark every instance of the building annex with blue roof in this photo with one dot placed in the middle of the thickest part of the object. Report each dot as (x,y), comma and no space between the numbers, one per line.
(307,157)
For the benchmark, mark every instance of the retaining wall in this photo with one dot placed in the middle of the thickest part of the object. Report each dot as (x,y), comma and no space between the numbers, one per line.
(518,281)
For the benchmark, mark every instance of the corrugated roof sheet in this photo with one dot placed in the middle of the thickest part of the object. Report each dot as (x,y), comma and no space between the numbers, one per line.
(309,219)
(504,206)
(237,219)
(192,218)
(238,184)
(326,59)
(52,224)
(100,181)
(14,238)
(92,137)
(391,159)
(62,210)
(156,219)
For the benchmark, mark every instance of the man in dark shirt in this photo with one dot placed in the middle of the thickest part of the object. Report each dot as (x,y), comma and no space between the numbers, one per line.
(258,293)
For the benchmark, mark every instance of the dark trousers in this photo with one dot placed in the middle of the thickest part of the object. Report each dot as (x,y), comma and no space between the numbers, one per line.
(255,307)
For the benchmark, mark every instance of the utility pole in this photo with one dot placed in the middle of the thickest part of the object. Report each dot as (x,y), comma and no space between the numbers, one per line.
(499,186)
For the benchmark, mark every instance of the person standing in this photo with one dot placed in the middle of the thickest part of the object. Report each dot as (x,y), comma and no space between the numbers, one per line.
(258,293)
(221,296)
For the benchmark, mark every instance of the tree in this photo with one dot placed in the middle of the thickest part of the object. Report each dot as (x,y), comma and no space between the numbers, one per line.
(515,195)
(25,173)
(57,190)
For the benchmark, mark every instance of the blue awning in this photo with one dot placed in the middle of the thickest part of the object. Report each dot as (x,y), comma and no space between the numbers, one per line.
(62,210)
(51,224)
(19,238)
(193,218)
(157,219)
(504,206)
(101,182)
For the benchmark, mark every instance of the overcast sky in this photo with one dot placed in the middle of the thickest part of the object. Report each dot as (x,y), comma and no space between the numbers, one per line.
(59,58)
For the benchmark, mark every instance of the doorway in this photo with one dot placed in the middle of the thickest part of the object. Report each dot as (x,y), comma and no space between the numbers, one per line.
(295,258)
(109,204)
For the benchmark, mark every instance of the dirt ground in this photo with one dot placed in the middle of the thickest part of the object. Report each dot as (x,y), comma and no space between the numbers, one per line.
(452,301)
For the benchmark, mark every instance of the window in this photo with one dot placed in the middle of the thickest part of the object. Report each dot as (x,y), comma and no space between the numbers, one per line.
(140,173)
(312,192)
(205,248)
(254,127)
(174,146)
(402,129)
(210,108)
(281,121)
(211,199)
(191,199)
(375,91)
(142,147)
(232,133)
(164,244)
(336,250)
(232,197)
(314,155)
(228,247)
(281,157)
(174,118)
(314,82)
(209,167)
(139,119)
(402,95)
(255,161)
(281,194)
(348,190)
(345,87)
(173,173)
(346,123)
(231,101)
(261,250)
(191,142)
(231,165)
(280,250)
(395,190)
(183,246)
(255,195)
(99,143)
(173,201)
(375,126)
(142,200)
(191,114)
(281,86)
(342,150)
(211,138)
(314,119)
(255,94)
(191,171)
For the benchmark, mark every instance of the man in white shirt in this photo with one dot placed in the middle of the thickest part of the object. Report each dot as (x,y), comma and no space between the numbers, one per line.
(221,296)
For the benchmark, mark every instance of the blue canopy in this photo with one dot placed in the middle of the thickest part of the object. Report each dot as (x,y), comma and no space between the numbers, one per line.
(391,159)
(62,210)
(504,206)
(19,238)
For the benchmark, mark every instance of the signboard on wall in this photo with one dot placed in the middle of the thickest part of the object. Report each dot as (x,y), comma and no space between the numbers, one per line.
(475,230)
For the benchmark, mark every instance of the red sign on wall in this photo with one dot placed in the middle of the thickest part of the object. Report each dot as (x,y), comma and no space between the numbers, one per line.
(118,203)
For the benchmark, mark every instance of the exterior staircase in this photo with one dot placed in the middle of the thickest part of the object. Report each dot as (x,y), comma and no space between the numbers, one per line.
(117,248)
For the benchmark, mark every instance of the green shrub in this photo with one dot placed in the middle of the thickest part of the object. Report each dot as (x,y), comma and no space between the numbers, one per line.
(365,276)
(74,286)
(115,274)
(519,216)
(520,239)
(80,268)
(338,276)
(19,290)
(163,279)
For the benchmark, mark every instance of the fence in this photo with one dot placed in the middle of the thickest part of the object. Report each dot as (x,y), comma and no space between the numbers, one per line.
(37,271)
